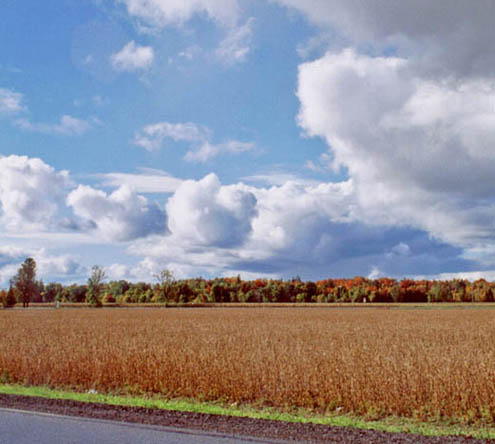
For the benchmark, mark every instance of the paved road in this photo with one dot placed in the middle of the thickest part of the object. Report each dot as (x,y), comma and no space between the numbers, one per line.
(20,427)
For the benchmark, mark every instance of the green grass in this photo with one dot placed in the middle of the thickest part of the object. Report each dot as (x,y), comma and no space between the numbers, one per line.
(329,305)
(391,424)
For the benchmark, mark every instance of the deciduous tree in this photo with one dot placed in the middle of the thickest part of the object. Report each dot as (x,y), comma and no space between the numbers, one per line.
(25,282)
(95,283)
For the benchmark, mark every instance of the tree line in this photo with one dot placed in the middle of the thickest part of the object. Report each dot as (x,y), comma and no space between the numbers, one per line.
(24,288)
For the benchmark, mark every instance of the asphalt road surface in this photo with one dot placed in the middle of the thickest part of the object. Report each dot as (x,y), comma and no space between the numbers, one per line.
(20,427)
(74,422)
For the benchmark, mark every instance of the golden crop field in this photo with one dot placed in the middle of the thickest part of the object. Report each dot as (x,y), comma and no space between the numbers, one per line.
(410,362)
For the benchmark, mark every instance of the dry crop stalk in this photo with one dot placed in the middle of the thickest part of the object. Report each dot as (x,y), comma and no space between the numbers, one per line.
(415,363)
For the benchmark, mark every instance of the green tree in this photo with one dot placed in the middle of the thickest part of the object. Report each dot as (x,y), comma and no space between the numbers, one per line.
(53,292)
(166,282)
(95,284)
(117,288)
(164,277)
(24,281)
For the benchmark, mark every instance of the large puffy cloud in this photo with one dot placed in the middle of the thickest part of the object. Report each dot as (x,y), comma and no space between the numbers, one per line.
(294,218)
(440,37)
(34,198)
(30,192)
(306,228)
(206,213)
(418,150)
(408,111)
(313,230)
(317,230)
(209,225)
(120,216)
(382,18)
(161,13)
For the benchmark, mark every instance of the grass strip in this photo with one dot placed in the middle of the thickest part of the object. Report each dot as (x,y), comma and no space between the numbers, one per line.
(391,424)
(330,305)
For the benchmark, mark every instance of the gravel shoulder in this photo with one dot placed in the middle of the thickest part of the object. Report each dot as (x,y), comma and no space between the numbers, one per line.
(259,428)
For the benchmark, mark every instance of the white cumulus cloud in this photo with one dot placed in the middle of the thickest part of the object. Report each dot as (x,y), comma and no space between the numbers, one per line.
(120,216)
(30,192)
(407,142)
(296,228)
(206,213)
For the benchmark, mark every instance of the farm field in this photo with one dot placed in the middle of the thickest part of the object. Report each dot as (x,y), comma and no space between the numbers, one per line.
(414,363)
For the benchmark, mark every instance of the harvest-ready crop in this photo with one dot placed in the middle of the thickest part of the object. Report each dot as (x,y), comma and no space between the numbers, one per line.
(410,362)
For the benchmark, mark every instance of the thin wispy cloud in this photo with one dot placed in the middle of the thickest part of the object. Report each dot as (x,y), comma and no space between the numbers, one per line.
(161,13)
(67,126)
(235,47)
(148,180)
(132,57)
(208,151)
(11,102)
(153,137)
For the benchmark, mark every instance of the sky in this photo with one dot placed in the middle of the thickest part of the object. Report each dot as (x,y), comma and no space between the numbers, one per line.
(265,138)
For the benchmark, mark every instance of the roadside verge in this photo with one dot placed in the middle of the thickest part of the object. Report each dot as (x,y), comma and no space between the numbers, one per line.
(220,417)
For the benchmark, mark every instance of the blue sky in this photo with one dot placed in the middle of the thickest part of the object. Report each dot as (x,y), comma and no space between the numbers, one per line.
(263,138)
